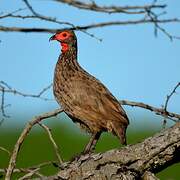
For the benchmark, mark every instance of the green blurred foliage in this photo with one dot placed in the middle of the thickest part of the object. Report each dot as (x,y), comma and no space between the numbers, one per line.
(37,148)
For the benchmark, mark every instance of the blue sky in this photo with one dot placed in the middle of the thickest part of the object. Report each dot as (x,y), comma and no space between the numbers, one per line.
(130,61)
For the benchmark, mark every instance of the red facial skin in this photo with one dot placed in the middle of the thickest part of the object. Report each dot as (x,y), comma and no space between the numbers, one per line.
(62,37)
(65,47)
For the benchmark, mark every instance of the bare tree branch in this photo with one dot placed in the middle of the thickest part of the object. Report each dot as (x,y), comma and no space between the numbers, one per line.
(148,142)
(6,88)
(15,92)
(131,162)
(30,174)
(111,9)
(35,120)
(146,10)
(9,89)
(167,100)
(27,30)
(170,95)
(149,176)
(158,111)
(22,170)
(30,7)
(154,17)
(90,26)
(42,17)
(134,161)
(2,104)
(30,169)
(49,19)
(11,14)
(56,148)
(5,150)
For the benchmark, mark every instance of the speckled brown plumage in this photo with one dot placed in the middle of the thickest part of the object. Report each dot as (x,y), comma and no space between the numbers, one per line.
(84,98)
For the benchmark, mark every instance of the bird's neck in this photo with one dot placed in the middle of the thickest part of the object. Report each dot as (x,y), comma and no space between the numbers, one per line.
(68,58)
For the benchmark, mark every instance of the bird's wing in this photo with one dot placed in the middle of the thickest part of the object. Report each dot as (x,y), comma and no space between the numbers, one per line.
(93,101)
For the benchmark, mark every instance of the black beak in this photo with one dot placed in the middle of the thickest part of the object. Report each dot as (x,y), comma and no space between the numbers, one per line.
(52,38)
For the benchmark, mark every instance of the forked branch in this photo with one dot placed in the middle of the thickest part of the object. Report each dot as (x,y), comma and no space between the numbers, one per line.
(23,135)
(160,111)
(131,162)
(93,6)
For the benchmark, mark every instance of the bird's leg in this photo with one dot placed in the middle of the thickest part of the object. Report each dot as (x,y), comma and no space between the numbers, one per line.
(89,147)
(92,143)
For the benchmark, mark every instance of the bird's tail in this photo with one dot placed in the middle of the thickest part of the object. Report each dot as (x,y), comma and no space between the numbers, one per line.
(120,131)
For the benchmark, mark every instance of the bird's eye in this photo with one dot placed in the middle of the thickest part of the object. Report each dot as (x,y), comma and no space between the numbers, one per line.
(64,34)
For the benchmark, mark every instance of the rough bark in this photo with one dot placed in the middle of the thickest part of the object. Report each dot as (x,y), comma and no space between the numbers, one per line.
(138,161)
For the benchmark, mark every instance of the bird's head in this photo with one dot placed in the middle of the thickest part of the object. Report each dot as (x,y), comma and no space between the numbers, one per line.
(67,38)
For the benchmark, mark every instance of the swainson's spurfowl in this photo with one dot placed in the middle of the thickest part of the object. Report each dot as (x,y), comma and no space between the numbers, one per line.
(83,97)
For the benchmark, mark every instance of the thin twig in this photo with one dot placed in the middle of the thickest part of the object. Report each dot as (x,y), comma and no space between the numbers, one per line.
(25,132)
(15,92)
(91,35)
(159,111)
(3,104)
(5,150)
(3,83)
(42,17)
(29,174)
(55,146)
(90,26)
(170,95)
(22,170)
(111,9)
(9,14)
(154,17)
(6,88)
(92,6)
(30,7)
(167,101)
(42,165)
(49,19)
(29,169)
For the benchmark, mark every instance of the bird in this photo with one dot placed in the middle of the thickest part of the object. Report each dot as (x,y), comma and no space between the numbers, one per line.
(83,97)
